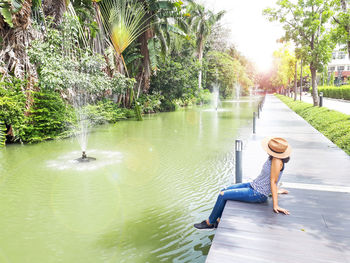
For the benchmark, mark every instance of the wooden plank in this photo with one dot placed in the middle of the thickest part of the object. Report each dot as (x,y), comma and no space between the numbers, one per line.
(224,253)
(318,229)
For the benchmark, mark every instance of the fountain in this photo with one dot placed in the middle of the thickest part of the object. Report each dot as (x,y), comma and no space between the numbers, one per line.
(78,93)
(84,158)
(216,96)
(80,101)
(238,90)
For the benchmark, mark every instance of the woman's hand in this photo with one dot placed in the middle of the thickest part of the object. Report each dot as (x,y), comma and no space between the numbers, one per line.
(280,209)
(282,191)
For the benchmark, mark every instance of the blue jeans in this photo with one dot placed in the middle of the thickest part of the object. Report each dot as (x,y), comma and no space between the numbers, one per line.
(238,192)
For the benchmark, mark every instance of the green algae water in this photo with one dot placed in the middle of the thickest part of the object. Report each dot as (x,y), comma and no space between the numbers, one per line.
(136,203)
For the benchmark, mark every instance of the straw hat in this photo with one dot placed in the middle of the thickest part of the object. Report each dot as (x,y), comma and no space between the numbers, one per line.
(276,147)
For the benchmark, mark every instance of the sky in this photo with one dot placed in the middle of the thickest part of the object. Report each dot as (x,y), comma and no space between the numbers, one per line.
(254,36)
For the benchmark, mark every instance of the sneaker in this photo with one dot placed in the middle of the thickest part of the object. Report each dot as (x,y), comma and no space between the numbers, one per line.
(204,225)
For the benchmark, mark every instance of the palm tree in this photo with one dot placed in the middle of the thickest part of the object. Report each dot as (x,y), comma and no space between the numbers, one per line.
(158,30)
(201,22)
(124,21)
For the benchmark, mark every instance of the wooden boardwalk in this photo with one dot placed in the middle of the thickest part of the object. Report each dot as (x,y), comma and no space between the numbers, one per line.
(318,178)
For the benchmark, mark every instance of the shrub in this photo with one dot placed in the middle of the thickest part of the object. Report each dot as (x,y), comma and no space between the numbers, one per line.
(342,92)
(333,124)
(150,103)
(48,117)
(104,111)
(168,105)
(176,79)
(13,106)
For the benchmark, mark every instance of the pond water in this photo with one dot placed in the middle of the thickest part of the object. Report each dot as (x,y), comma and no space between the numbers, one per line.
(136,203)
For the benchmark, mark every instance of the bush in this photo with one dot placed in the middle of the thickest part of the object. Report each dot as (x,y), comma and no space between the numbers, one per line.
(62,65)
(333,124)
(168,105)
(176,79)
(48,117)
(342,92)
(105,111)
(13,106)
(150,103)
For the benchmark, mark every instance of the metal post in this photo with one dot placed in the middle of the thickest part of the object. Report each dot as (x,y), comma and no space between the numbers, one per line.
(254,117)
(239,148)
(259,111)
(321,99)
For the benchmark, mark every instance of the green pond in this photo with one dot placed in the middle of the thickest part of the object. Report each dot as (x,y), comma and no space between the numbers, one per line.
(136,203)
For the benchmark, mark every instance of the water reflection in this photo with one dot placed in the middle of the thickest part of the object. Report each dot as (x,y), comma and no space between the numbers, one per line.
(136,203)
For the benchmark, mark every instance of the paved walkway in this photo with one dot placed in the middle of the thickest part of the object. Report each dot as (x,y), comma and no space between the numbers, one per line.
(333,104)
(318,178)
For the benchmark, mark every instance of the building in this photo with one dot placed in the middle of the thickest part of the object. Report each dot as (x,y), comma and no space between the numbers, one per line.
(340,66)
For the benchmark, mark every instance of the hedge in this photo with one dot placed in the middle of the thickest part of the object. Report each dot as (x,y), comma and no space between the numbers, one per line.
(333,124)
(342,92)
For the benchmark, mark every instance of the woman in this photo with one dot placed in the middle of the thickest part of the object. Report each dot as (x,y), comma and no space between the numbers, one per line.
(259,189)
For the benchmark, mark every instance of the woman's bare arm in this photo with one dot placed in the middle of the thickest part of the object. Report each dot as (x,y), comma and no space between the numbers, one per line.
(276,165)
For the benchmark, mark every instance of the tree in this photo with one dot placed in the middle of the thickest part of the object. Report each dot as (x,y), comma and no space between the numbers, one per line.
(201,22)
(158,13)
(305,24)
(123,22)
(341,20)
(284,61)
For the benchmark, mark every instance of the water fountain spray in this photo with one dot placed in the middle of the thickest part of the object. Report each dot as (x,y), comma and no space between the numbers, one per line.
(80,100)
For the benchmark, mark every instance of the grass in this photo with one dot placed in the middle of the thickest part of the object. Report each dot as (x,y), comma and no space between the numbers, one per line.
(333,124)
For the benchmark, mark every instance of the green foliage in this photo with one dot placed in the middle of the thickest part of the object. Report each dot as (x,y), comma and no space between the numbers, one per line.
(63,65)
(168,105)
(226,72)
(105,111)
(13,105)
(342,92)
(333,124)
(48,117)
(8,8)
(305,23)
(202,22)
(150,103)
(204,96)
(176,80)
(341,23)
(124,21)
(137,109)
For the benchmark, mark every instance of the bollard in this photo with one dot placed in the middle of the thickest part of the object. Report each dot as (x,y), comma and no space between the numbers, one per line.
(239,148)
(259,111)
(321,99)
(254,117)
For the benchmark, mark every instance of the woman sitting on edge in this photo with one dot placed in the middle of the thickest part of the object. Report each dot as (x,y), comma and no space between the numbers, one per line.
(259,189)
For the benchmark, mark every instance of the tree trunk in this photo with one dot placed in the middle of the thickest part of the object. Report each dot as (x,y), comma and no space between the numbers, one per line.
(200,58)
(146,62)
(314,85)
(295,80)
(55,9)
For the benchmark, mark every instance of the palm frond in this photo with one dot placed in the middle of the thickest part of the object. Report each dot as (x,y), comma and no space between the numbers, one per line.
(153,50)
(124,21)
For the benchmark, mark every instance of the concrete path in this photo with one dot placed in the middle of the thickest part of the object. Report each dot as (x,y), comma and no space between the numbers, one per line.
(318,178)
(333,104)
